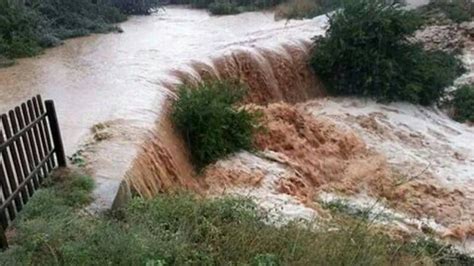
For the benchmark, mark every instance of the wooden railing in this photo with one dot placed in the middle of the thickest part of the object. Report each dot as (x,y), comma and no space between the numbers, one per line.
(30,148)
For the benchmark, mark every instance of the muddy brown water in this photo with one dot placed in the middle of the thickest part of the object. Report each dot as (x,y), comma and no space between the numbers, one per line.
(116,78)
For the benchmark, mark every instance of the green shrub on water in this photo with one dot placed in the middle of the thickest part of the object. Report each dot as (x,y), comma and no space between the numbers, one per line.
(367,53)
(463,104)
(210,123)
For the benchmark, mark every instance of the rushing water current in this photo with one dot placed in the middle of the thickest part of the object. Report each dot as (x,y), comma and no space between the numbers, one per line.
(117,77)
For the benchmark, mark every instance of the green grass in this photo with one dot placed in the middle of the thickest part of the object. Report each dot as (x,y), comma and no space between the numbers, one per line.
(366,53)
(210,123)
(183,229)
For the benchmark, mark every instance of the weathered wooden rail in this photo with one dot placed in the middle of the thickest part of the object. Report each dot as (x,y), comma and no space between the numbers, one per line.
(30,148)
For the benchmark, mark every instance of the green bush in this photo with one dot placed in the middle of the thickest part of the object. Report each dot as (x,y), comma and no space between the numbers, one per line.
(223,7)
(137,7)
(201,3)
(68,18)
(463,104)
(367,53)
(212,126)
(431,73)
(18,30)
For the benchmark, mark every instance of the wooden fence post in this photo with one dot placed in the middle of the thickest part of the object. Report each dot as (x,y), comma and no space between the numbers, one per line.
(3,238)
(55,133)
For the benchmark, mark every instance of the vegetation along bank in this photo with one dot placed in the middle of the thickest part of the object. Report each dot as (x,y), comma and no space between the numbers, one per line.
(27,27)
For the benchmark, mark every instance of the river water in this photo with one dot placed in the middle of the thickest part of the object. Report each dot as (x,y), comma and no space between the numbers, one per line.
(117,77)
(105,77)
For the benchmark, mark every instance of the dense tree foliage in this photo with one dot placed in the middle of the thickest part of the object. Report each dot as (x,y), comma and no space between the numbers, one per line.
(367,52)
(26,28)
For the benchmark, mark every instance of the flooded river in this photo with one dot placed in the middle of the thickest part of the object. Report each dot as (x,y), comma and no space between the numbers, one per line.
(117,77)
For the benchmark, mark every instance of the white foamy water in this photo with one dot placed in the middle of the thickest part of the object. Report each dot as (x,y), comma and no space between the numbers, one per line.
(281,207)
(415,139)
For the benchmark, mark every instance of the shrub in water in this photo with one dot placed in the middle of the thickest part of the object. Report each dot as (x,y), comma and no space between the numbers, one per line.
(366,52)
(210,123)
(463,104)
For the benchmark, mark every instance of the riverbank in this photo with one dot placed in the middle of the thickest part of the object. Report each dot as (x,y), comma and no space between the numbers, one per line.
(27,29)
(183,228)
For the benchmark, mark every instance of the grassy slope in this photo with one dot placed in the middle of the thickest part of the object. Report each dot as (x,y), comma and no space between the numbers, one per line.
(182,229)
